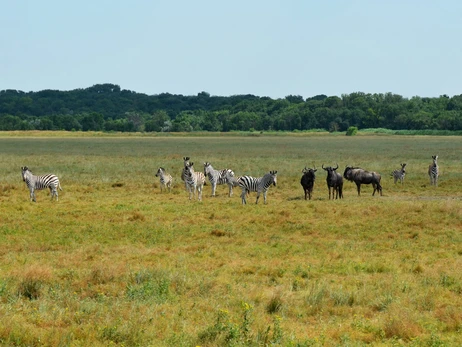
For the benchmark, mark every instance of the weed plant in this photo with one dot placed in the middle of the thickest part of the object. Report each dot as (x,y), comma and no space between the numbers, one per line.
(117,262)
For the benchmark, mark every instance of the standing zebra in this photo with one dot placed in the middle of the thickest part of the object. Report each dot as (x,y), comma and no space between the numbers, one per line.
(433,171)
(194,181)
(166,180)
(40,182)
(399,174)
(217,177)
(260,184)
(185,164)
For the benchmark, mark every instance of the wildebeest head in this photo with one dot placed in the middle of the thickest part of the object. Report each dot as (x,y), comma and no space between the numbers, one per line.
(348,173)
(309,171)
(329,169)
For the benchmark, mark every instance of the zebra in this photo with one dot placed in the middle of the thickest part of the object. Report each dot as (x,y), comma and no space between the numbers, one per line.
(399,174)
(166,180)
(40,182)
(194,181)
(260,184)
(217,177)
(433,171)
(185,164)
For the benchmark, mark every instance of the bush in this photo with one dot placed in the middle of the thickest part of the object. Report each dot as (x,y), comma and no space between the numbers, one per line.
(352,131)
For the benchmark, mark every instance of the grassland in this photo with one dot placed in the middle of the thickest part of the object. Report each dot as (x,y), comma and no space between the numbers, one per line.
(115,262)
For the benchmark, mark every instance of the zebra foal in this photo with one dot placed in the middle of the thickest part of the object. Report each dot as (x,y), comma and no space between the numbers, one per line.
(433,171)
(194,181)
(259,185)
(166,180)
(40,182)
(399,174)
(217,177)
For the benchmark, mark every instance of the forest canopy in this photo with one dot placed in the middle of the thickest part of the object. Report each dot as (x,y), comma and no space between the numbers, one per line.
(107,107)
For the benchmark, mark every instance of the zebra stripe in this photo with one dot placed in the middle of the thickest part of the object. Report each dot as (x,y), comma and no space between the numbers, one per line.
(433,171)
(217,177)
(194,181)
(259,185)
(40,182)
(166,180)
(399,174)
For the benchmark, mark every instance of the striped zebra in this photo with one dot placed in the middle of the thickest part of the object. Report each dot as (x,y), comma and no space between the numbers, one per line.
(259,185)
(40,182)
(194,181)
(433,171)
(185,164)
(217,177)
(166,180)
(399,174)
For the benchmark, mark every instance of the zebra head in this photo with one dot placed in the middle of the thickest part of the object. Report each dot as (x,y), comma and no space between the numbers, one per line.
(186,161)
(274,177)
(160,171)
(189,169)
(207,168)
(435,158)
(24,171)
(403,167)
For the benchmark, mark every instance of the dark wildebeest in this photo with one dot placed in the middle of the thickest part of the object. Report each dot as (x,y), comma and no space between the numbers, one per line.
(335,181)
(360,176)
(307,181)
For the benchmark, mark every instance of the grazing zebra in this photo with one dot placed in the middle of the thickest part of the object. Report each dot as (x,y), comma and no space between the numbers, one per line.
(194,181)
(260,184)
(166,180)
(40,182)
(217,177)
(185,164)
(399,174)
(433,171)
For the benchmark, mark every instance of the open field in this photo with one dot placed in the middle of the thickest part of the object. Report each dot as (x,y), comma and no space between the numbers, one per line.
(115,261)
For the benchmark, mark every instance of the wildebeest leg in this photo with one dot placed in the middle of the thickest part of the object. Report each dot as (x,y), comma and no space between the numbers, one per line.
(358,185)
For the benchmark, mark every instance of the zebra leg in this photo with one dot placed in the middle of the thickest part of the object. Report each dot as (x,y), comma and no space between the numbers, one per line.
(258,197)
(264,197)
(214,187)
(32,195)
(199,192)
(230,190)
(244,192)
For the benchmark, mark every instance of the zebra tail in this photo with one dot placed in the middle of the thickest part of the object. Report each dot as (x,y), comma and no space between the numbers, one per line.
(59,186)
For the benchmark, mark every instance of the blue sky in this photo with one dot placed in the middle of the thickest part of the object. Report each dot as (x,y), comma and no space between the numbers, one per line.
(266,48)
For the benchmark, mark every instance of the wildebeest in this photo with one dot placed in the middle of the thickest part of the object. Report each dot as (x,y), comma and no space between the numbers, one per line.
(307,181)
(360,176)
(335,181)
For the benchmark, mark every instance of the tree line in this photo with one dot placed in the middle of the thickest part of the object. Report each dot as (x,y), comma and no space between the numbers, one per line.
(107,107)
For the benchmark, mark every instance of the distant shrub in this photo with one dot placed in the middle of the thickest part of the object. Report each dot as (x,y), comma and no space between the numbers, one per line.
(352,131)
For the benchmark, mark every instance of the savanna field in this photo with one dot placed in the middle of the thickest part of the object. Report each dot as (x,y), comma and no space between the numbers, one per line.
(117,262)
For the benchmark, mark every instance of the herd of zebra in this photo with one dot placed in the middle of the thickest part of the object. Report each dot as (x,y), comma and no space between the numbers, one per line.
(195,180)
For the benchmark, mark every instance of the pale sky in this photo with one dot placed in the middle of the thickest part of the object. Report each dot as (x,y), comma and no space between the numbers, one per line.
(265,48)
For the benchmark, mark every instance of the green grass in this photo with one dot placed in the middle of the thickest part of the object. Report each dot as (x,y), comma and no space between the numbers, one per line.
(117,262)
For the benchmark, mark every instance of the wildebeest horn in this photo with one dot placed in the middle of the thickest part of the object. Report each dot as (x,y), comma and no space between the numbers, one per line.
(322,165)
(336,167)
